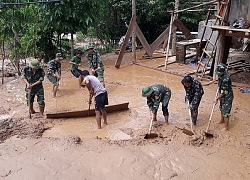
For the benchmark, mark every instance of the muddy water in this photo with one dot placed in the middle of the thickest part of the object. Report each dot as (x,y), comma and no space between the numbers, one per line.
(123,85)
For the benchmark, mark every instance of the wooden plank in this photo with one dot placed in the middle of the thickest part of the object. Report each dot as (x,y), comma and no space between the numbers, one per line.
(85,113)
(129,31)
(178,23)
(143,40)
(160,39)
(228,28)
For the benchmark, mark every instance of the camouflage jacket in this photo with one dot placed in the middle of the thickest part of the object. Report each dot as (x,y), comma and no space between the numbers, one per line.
(194,93)
(94,60)
(33,77)
(225,86)
(54,67)
(157,96)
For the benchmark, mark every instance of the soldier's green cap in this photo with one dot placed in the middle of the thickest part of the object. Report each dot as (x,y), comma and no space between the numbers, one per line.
(34,64)
(146,91)
(89,47)
(220,69)
(59,56)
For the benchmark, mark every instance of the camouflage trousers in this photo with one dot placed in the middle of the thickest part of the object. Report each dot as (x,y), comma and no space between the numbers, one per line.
(194,114)
(226,106)
(165,102)
(53,80)
(194,105)
(35,91)
(99,74)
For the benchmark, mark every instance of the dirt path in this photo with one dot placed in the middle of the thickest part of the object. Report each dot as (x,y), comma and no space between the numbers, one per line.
(76,149)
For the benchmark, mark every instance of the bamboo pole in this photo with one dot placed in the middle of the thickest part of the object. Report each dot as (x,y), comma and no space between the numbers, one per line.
(206,3)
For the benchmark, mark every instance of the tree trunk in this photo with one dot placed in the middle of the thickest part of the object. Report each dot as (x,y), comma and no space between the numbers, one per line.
(133,33)
(3,55)
(174,29)
(72,44)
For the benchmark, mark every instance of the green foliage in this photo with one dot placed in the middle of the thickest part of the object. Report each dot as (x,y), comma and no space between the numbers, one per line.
(36,29)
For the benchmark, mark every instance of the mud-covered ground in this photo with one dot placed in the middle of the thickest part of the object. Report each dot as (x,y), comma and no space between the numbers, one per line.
(41,148)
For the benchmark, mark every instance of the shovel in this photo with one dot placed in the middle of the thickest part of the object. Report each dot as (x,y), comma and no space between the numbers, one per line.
(185,131)
(150,135)
(209,135)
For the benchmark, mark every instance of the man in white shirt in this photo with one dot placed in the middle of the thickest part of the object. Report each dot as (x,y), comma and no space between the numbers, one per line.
(101,96)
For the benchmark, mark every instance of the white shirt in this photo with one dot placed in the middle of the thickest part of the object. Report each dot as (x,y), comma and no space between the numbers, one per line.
(95,84)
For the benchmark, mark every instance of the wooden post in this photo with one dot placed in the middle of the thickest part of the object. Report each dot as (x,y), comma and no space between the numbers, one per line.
(125,42)
(169,36)
(219,50)
(174,29)
(134,30)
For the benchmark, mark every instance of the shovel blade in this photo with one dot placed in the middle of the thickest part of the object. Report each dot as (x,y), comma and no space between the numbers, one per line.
(187,132)
(209,135)
(151,136)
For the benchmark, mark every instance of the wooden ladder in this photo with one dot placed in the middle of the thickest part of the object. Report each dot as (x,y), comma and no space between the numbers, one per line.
(202,66)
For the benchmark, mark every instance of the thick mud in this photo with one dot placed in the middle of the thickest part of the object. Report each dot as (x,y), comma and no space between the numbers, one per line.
(74,148)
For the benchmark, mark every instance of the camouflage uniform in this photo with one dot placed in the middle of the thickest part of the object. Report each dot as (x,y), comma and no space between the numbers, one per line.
(225,87)
(36,90)
(94,61)
(161,94)
(194,94)
(54,67)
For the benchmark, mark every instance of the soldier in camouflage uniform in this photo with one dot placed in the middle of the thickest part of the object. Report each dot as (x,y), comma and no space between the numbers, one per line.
(225,94)
(156,94)
(33,75)
(194,93)
(95,63)
(54,72)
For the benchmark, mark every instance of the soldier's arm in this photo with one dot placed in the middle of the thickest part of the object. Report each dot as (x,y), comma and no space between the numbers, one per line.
(24,77)
(99,60)
(156,104)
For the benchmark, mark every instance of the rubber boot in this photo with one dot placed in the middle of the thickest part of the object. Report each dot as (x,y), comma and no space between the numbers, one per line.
(226,119)
(104,115)
(41,110)
(32,111)
(166,119)
(221,120)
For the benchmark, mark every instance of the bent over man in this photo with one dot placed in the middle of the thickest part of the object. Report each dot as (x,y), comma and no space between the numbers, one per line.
(194,93)
(101,96)
(225,94)
(33,75)
(95,63)
(54,72)
(156,94)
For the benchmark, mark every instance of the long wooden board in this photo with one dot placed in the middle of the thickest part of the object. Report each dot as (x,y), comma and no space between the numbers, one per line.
(85,113)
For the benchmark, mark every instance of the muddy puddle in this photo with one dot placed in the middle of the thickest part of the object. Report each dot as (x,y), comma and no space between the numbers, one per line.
(86,128)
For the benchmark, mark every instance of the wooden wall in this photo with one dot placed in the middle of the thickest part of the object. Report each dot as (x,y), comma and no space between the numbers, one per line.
(238,9)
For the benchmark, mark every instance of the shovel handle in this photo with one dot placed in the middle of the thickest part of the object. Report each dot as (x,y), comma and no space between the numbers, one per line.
(210,117)
(150,126)
(189,112)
